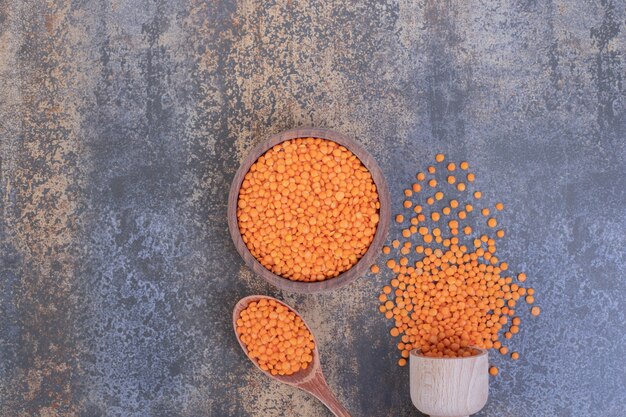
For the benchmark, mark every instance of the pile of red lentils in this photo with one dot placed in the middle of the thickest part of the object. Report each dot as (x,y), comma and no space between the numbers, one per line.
(449,290)
(308,209)
(275,337)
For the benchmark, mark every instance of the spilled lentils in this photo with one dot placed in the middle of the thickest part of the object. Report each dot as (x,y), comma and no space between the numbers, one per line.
(449,290)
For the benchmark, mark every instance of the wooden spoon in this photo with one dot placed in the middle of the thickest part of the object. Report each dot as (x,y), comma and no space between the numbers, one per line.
(310,379)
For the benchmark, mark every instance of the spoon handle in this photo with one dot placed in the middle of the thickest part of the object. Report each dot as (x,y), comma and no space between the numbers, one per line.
(319,388)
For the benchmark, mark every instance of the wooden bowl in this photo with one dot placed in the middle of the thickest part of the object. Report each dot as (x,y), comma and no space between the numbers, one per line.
(379,237)
(449,387)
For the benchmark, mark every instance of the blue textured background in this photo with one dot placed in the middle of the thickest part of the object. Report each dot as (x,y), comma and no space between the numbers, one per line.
(122,124)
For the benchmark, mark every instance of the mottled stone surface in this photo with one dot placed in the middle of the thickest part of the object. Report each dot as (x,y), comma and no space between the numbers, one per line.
(122,124)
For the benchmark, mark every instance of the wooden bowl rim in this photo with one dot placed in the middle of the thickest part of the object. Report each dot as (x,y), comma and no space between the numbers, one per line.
(296,378)
(481,352)
(384,212)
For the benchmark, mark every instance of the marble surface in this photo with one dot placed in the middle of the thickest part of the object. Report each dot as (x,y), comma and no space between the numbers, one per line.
(123,122)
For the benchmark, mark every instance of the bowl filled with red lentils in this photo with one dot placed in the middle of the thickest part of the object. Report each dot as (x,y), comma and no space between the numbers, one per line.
(308,210)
